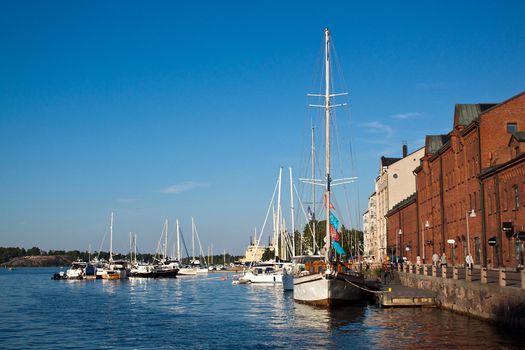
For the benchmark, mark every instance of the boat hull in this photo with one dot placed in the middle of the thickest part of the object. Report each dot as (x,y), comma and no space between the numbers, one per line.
(327,290)
(156,274)
(262,278)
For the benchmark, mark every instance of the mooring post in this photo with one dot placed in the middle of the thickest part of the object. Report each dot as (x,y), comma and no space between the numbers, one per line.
(483,275)
(468,274)
(502,277)
(444,271)
(434,271)
(455,272)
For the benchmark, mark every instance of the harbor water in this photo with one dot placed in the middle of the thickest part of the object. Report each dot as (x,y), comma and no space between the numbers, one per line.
(208,312)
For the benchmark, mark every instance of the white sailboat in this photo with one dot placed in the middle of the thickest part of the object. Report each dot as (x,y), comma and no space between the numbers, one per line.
(195,267)
(269,271)
(323,281)
(114,269)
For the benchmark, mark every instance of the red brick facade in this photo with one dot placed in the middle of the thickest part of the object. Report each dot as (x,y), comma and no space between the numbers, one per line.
(469,183)
(403,218)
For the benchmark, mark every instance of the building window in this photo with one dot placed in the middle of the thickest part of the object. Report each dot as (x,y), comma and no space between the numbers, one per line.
(516,197)
(505,200)
(512,127)
(475,204)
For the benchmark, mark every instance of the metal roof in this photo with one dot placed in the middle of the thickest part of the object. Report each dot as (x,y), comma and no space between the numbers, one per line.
(434,142)
(519,136)
(467,113)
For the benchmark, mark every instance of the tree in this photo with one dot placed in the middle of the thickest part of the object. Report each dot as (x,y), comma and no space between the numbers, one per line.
(268,254)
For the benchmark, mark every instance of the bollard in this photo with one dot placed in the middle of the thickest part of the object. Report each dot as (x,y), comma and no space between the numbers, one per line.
(468,274)
(398,268)
(425,271)
(434,271)
(502,277)
(418,267)
(455,272)
(522,279)
(483,275)
(444,271)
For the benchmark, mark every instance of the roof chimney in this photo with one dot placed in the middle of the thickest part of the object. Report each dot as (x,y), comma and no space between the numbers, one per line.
(405,149)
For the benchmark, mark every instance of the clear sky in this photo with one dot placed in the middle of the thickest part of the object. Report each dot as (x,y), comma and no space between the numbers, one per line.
(165,109)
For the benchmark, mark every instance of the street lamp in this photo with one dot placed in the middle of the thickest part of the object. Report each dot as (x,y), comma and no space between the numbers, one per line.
(472,214)
(397,245)
(427,225)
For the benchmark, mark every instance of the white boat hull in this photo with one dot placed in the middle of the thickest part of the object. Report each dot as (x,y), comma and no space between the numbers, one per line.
(187,271)
(262,278)
(322,289)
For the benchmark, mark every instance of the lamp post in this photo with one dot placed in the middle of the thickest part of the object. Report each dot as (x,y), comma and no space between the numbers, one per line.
(397,244)
(472,214)
(427,225)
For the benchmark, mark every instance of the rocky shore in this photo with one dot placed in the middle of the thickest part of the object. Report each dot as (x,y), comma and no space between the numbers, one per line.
(38,261)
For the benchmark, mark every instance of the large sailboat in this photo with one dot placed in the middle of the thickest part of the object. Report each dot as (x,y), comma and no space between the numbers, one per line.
(326,281)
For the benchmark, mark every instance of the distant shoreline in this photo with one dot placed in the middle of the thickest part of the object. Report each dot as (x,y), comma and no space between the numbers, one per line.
(38,261)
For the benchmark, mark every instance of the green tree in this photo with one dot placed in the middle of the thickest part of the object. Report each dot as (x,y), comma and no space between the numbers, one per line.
(268,254)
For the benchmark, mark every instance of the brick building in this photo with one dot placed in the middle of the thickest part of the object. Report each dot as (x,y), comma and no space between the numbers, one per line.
(402,230)
(469,183)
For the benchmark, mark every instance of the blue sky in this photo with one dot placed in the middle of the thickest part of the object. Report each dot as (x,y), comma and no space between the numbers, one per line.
(176,109)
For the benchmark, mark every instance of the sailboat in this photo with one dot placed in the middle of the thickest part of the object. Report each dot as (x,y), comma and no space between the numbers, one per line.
(114,269)
(327,281)
(195,267)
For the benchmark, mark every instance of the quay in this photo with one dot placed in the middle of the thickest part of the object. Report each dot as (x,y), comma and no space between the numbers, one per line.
(395,294)
(496,295)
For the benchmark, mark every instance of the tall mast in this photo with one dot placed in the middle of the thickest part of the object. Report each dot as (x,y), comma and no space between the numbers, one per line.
(111,239)
(166,241)
(313,189)
(130,249)
(193,239)
(278,219)
(327,126)
(135,248)
(292,212)
(178,245)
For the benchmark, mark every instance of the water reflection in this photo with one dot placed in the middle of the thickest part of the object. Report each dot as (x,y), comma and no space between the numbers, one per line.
(208,312)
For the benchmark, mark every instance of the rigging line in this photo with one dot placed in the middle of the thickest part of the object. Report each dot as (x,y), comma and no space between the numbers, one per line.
(353,161)
(365,289)
(200,245)
(306,217)
(157,252)
(184,244)
(102,243)
(264,224)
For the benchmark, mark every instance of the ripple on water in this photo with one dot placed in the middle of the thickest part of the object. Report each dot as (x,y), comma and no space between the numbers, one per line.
(202,312)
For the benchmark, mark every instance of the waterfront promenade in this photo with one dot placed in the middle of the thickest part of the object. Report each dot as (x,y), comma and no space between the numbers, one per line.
(492,294)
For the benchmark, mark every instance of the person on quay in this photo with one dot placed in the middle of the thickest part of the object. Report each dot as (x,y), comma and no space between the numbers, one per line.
(435,259)
(443,260)
(469,261)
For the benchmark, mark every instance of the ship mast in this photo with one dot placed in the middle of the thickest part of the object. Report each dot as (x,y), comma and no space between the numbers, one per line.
(327,126)
(111,239)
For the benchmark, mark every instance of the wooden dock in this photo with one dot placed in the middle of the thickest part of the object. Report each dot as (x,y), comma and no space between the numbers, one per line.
(394,294)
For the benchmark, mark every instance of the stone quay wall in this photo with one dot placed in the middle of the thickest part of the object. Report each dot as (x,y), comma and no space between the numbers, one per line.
(485,301)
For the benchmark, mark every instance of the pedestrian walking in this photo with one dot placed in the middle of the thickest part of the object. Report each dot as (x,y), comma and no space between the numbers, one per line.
(469,261)
(435,259)
(443,260)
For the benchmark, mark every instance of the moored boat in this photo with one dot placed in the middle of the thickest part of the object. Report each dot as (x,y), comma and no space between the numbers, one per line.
(326,280)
